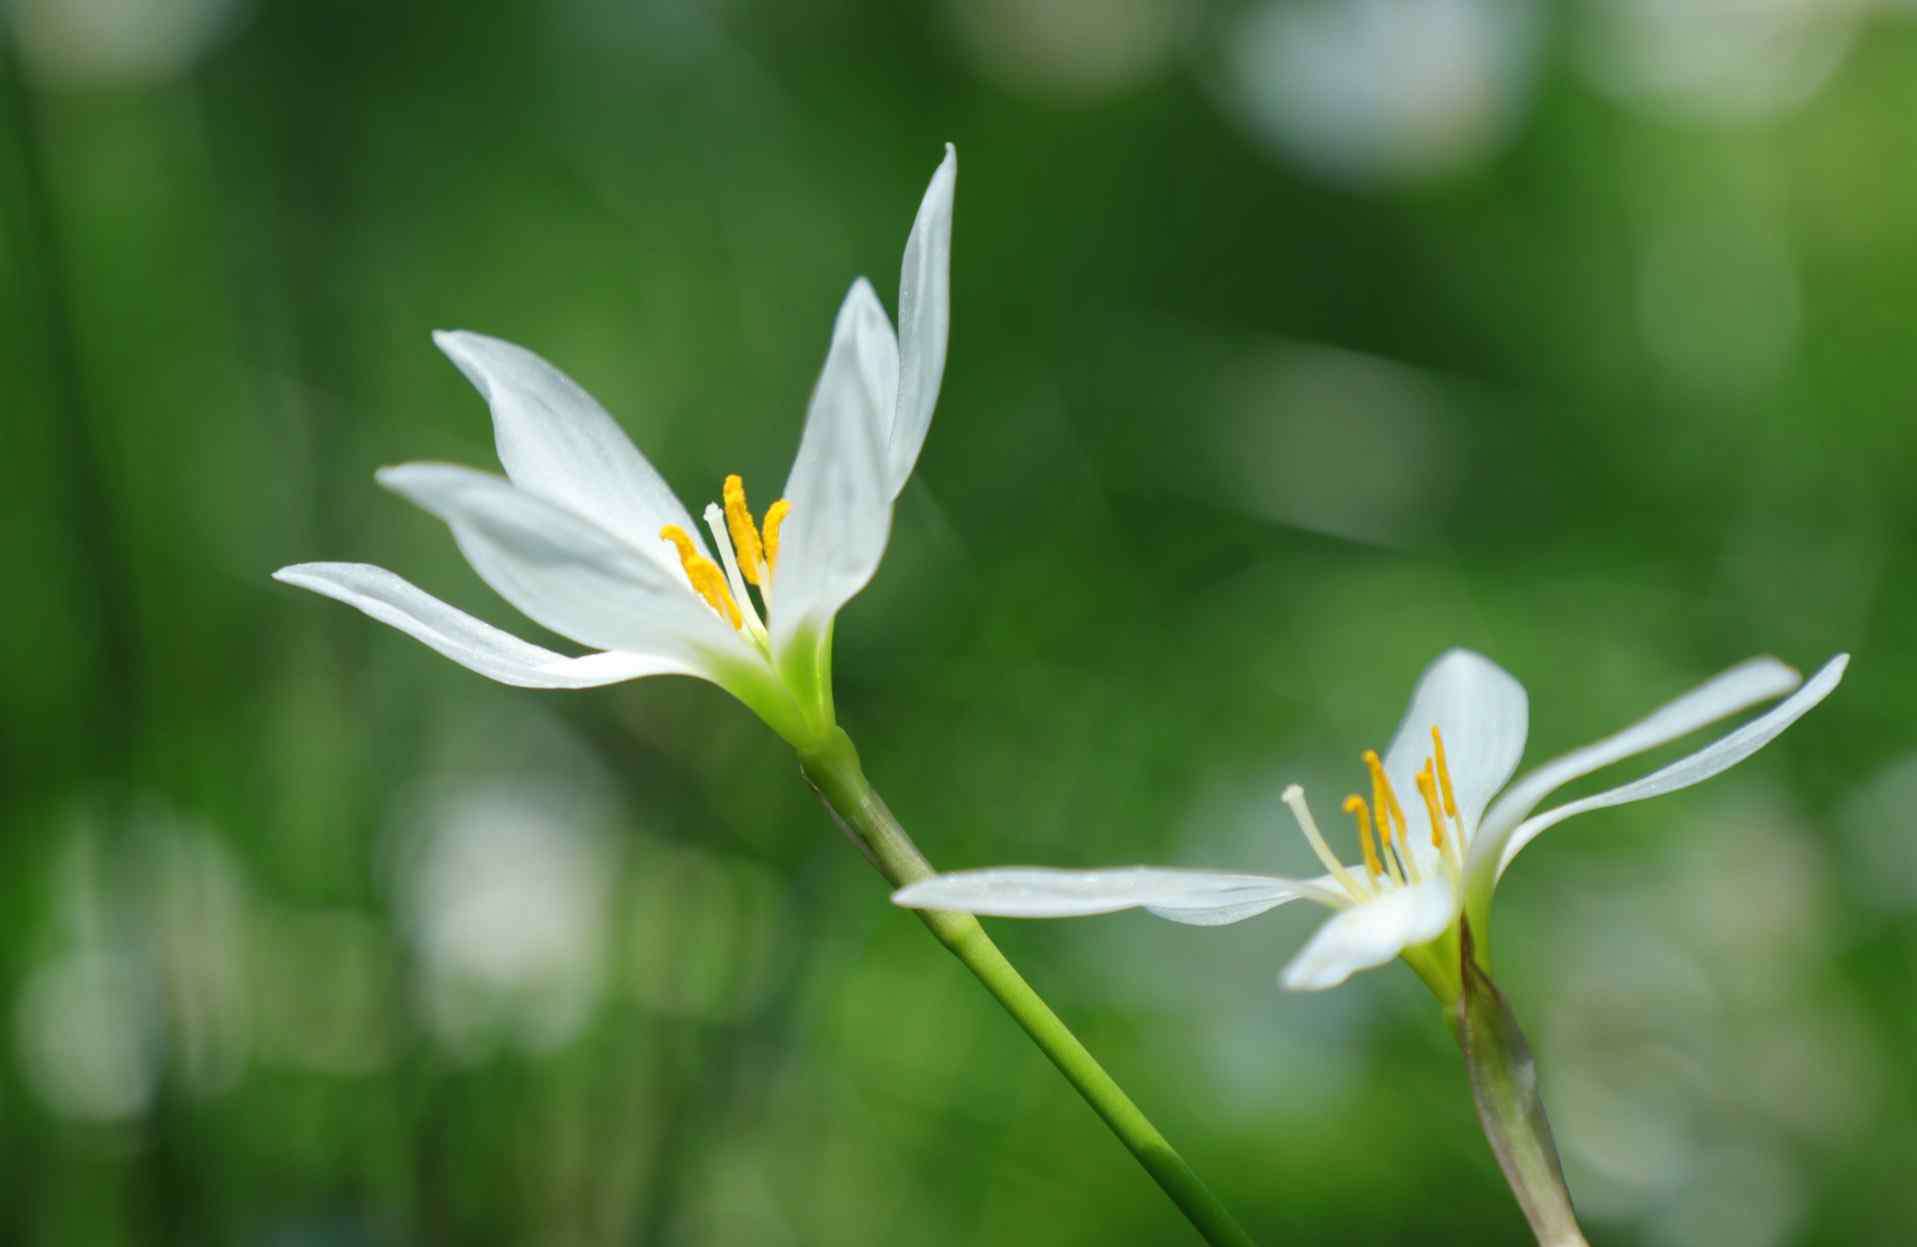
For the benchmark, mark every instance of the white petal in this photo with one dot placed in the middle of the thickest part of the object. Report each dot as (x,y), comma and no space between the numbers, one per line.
(1759,679)
(1483,713)
(1198,897)
(1371,934)
(563,571)
(841,505)
(469,642)
(556,442)
(925,317)
(1718,756)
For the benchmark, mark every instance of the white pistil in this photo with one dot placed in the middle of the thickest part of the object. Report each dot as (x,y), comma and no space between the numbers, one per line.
(1294,797)
(716,521)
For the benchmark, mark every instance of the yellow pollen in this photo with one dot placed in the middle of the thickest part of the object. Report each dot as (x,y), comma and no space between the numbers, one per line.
(745,533)
(1428,789)
(774,516)
(704,574)
(1355,806)
(1444,772)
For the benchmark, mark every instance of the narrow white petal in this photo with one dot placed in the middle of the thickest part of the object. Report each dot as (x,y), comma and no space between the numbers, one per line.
(1484,715)
(1371,934)
(1746,684)
(841,506)
(925,318)
(469,642)
(556,442)
(1718,756)
(563,571)
(1202,898)
(1230,903)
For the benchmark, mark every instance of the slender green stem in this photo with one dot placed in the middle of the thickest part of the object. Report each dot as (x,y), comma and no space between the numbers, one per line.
(833,770)
(1504,1082)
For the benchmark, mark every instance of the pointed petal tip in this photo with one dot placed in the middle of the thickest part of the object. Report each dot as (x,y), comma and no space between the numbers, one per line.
(302,575)
(465,349)
(452,340)
(923,894)
(402,476)
(455,344)
(1295,981)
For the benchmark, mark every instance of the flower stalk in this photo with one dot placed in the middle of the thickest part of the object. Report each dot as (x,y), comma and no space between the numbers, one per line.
(1504,1083)
(832,768)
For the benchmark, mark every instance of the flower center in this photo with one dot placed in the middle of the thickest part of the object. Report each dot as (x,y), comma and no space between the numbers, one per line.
(750,554)
(1389,861)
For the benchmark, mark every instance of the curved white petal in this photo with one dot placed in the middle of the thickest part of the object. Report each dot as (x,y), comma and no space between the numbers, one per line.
(1483,713)
(925,318)
(1718,756)
(555,441)
(1746,684)
(1371,934)
(563,571)
(1198,897)
(841,505)
(472,643)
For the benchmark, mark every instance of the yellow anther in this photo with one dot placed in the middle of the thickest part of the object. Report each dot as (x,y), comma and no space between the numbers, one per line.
(774,516)
(1355,806)
(1383,797)
(1444,772)
(745,533)
(704,574)
(1428,789)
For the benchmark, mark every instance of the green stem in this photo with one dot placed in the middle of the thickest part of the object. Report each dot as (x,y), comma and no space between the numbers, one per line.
(833,770)
(1504,1082)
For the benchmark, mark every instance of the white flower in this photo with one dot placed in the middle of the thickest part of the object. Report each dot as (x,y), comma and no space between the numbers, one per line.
(1422,871)
(584,537)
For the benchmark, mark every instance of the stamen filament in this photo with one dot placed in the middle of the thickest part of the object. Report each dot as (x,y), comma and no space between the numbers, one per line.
(707,580)
(1406,854)
(1355,806)
(1294,797)
(1386,851)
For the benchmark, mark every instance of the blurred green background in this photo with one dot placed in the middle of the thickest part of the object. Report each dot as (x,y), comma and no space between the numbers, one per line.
(1292,343)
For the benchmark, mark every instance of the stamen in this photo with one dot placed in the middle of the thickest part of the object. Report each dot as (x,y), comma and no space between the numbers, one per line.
(1444,772)
(716,521)
(774,516)
(707,580)
(1428,789)
(1355,806)
(745,533)
(1294,796)
(1386,851)
(1384,798)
